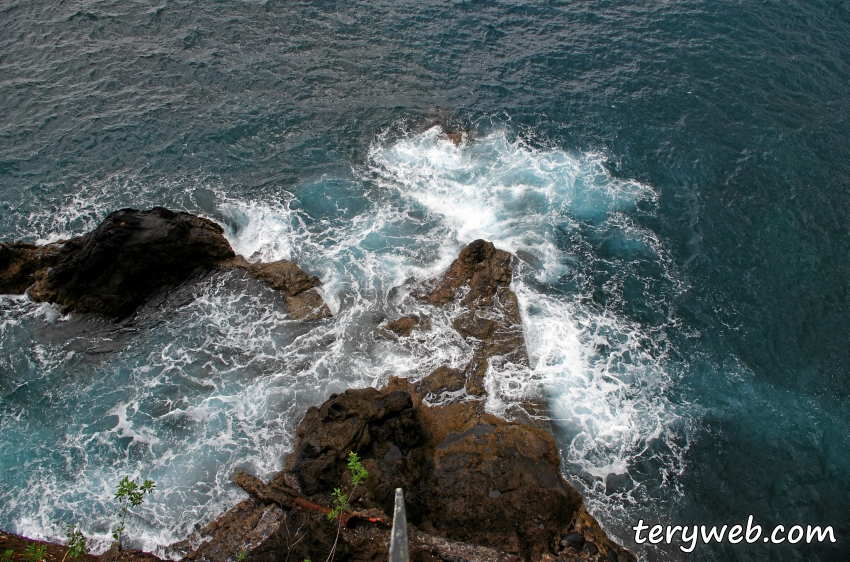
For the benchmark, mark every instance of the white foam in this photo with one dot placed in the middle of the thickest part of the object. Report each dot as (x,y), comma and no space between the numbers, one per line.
(222,382)
(262,232)
(605,376)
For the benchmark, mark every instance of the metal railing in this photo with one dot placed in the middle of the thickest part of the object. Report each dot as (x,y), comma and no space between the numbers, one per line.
(398,540)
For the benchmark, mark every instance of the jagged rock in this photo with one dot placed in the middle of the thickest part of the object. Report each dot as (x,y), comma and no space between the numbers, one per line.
(134,254)
(357,420)
(127,258)
(476,486)
(473,483)
(303,300)
(479,281)
(244,527)
(480,266)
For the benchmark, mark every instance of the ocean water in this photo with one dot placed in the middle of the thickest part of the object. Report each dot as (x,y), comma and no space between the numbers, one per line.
(673,178)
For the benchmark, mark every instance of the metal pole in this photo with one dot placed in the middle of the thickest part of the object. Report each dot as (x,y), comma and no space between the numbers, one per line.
(398,540)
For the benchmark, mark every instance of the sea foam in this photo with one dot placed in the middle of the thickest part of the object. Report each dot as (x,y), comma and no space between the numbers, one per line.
(219,381)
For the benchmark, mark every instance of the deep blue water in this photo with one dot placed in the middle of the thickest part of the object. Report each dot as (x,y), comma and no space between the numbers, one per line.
(674,178)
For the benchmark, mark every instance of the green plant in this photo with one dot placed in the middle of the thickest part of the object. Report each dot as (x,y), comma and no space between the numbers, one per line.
(241,556)
(340,500)
(129,494)
(358,475)
(35,552)
(76,542)
(7,556)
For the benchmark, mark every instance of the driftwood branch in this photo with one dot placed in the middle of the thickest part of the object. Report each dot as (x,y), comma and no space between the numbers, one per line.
(288,499)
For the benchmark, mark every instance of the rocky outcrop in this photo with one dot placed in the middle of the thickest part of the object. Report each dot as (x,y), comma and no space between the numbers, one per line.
(134,254)
(403,326)
(478,283)
(476,486)
(127,258)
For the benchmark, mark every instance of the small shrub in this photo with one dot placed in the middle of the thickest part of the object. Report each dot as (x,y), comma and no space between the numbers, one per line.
(340,500)
(76,542)
(358,475)
(35,552)
(130,494)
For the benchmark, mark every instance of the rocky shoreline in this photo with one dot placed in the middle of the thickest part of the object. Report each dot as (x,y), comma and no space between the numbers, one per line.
(477,487)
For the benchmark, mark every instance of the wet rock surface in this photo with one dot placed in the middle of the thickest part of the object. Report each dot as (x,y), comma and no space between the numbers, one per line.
(133,255)
(477,487)
(404,326)
(20,262)
(303,300)
(478,283)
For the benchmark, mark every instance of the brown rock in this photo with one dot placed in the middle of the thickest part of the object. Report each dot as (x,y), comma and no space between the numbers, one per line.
(244,527)
(476,486)
(456,138)
(480,266)
(284,276)
(20,262)
(404,326)
(302,299)
(470,475)
(480,277)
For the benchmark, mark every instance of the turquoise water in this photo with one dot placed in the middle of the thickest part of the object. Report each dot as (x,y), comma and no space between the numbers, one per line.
(673,178)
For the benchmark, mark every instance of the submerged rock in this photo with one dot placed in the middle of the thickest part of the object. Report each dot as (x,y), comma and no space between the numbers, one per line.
(476,486)
(134,254)
(403,327)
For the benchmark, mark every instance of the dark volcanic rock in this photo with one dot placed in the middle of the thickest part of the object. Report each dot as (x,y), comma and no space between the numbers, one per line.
(474,484)
(128,257)
(365,421)
(573,540)
(448,460)
(134,254)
